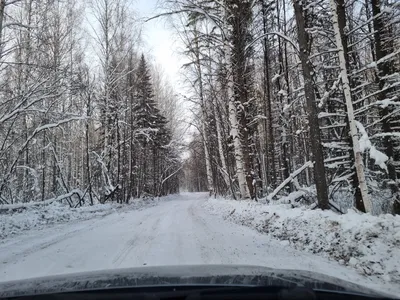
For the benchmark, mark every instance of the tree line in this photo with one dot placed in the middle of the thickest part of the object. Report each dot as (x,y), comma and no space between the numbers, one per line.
(294,95)
(83,116)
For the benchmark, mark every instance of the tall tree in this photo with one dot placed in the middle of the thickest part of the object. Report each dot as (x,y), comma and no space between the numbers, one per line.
(313,123)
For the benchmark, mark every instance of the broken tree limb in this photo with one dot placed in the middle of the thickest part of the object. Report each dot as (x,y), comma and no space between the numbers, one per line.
(66,197)
(333,206)
(289,179)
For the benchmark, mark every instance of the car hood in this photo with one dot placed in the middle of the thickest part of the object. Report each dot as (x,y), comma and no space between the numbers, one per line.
(217,275)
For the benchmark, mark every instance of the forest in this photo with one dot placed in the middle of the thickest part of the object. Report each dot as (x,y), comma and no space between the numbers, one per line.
(287,97)
(84,117)
(295,97)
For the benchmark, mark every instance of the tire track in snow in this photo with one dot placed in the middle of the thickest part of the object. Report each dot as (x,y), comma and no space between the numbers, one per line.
(209,234)
(137,239)
(155,236)
(16,256)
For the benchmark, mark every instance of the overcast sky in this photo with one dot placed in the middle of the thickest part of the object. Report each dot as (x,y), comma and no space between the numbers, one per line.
(160,40)
(163,45)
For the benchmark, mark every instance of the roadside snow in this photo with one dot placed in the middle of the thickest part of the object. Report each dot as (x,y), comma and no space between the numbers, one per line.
(15,219)
(370,244)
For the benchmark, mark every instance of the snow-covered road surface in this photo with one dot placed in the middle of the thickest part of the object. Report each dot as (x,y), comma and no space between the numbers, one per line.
(176,232)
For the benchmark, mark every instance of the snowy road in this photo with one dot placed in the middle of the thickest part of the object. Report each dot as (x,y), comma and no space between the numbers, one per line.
(174,232)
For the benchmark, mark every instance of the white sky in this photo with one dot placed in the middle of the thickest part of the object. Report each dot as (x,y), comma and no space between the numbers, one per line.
(160,41)
(163,45)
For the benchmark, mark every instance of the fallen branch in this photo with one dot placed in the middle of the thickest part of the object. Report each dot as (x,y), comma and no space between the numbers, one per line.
(111,194)
(333,206)
(16,207)
(289,179)
(3,201)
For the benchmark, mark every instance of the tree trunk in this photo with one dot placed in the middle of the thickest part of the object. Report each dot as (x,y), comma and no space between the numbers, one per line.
(313,123)
(365,205)
(270,140)
(221,153)
(2,7)
(88,171)
(382,49)
(283,123)
(234,132)
(204,118)
(341,23)
(240,13)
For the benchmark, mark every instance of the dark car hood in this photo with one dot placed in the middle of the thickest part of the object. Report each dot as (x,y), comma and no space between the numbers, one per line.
(232,275)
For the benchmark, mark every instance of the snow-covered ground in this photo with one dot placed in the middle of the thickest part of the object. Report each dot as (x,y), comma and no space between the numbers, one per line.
(176,232)
(17,218)
(369,244)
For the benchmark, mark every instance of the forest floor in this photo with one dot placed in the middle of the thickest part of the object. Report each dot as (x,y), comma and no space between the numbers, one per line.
(180,231)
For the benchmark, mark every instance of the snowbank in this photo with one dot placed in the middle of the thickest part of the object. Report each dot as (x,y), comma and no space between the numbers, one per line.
(15,219)
(370,244)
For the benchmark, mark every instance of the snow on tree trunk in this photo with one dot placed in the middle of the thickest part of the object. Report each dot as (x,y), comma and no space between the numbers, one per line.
(224,166)
(208,162)
(350,112)
(313,123)
(244,190)
(234,123)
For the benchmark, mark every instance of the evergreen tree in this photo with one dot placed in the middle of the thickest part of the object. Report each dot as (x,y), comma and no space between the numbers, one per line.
(152,133)
(146,111)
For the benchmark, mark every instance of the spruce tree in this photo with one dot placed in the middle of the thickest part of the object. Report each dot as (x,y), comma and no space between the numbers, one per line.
(145,110)
(152,132)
